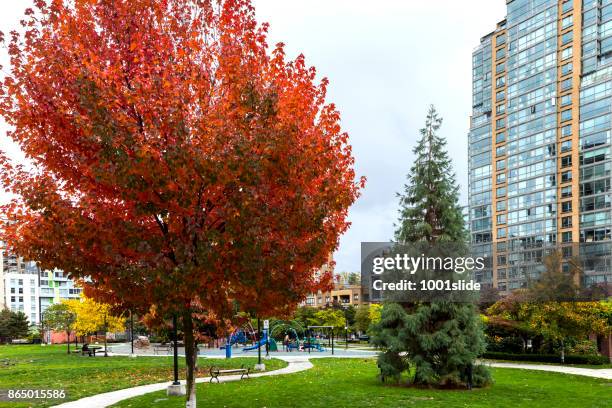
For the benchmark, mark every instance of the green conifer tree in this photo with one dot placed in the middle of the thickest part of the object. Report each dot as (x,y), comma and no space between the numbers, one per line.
(440,339)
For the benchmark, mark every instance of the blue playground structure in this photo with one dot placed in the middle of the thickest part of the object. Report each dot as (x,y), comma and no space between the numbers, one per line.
(312,344)
(269,340)
(238,336)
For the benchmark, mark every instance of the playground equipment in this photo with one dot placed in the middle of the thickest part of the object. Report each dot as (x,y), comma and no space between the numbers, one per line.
(280,328)
(311,345)
(237,337)
(272,346)
(240,336)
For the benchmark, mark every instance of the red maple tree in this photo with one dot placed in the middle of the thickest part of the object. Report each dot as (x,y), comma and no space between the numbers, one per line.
(173,160)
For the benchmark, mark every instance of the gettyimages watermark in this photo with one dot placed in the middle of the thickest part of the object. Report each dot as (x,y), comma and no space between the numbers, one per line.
(420,272)
(424,272)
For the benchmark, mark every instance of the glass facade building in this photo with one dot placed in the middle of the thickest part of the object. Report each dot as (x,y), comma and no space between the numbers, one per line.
(539,141)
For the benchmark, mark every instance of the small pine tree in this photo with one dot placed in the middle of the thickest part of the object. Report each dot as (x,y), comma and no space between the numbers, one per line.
(441,339)
(18,325)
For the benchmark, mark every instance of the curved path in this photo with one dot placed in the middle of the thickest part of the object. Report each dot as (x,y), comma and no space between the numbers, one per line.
(109,398)
(605,373)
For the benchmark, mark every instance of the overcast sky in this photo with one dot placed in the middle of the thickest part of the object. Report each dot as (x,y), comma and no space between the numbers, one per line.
(386,60)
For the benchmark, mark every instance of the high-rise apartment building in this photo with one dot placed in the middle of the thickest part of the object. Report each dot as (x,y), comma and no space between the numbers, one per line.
(26,288)
(539,141)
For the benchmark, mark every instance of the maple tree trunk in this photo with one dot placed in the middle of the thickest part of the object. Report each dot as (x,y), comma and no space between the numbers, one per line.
(191,357)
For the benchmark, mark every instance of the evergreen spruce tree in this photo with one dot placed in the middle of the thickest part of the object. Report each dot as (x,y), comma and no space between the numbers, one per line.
(18,325)
(440,339)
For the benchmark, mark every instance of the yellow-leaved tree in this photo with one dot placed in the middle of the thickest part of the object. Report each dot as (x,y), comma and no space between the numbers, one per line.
(375,312)
(92,317)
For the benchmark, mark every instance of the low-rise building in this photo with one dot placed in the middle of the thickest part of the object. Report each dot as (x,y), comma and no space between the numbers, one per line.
(342,294)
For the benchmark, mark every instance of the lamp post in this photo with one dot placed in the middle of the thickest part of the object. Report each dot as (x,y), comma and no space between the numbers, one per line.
(175,335)
(259,341)
(346,337)
(346,329)
(43,338)
(175,389)
(259,366)
(132,331)
(105,333)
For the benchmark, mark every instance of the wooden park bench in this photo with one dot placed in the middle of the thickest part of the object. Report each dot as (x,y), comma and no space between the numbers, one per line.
(215,372)
(166,348)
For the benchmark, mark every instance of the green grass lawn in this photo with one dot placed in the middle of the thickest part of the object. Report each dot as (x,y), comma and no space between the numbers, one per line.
(38,367)
(353,383)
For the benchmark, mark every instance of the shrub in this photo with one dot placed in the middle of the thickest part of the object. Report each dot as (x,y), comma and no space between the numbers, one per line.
(583,347)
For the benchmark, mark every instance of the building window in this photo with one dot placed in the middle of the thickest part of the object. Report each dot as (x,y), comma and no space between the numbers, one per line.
(566,115)
(567,6)
(567,22)
(500,39)
(566,176)
(566,84)
(501,81)
(500,164)
(500,206)
(566,206)
(501,53)
(500,137)
(566,100)
(566,191)
(500,123)
(500,109)
(566,146)
(501,259)
(500,178)
(566,236)
(567,38)
(566,131)
(566,53)
(499,68)
(501,219)
(567,68)
(501,150)
(566,161)
(500,96)
(501,192)
(566,222)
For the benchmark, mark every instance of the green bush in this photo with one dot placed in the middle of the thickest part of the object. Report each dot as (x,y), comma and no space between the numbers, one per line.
(593,359)
(481,376)
(583,347)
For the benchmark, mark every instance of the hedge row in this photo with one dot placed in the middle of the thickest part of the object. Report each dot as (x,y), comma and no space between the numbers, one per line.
(549,358)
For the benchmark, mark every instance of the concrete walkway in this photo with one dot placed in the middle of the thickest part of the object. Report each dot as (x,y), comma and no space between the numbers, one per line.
(605,373)
(295,365)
